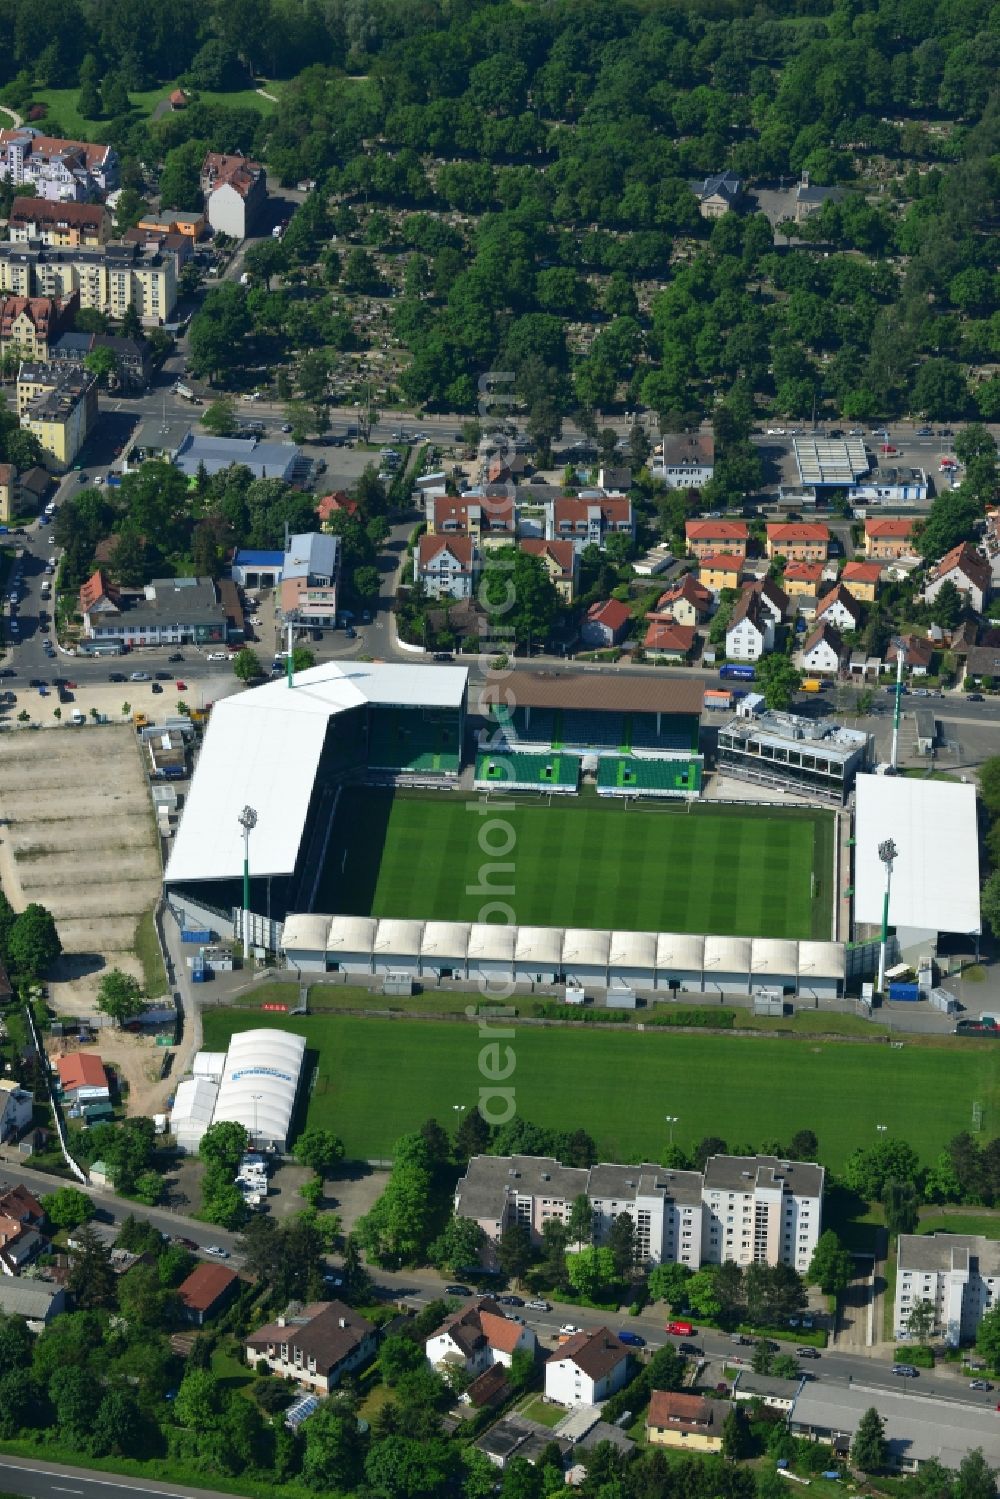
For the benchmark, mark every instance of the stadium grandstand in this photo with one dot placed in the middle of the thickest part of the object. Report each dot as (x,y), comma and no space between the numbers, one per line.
(286,751)
(639,734)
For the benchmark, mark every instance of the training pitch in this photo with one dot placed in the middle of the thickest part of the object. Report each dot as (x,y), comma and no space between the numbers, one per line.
(732,871)
(373,1080)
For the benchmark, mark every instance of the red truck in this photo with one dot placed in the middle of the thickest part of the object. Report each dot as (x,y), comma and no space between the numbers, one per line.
(680,1329)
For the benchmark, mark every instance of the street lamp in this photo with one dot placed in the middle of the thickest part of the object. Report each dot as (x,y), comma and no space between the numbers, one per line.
(247,821)
(887,852)
(672,1119)
(881,1128)
(460,1109)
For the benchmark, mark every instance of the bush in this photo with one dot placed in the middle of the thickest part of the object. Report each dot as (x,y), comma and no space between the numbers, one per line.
(921,1356)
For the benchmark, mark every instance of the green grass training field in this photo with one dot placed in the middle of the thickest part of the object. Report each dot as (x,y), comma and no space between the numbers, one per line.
(733,871)
(375,1080)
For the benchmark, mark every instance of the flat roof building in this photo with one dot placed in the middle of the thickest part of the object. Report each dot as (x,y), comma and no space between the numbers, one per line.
(958,1274)
(265,460)
(808,756)
(830,461)
(917,1427)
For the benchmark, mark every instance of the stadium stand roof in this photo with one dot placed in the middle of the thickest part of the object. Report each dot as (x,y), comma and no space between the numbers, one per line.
(935,878)
(351,934)
(604,694)
(260,1082)
(727,954)
(445,939)
(262,749)
(539,944)
(580,945)
(769,955)
(393,935)
(490,942)
(305,930)
(633,949)
(682,950)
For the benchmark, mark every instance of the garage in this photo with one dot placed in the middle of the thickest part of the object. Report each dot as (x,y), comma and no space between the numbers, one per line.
(443,949)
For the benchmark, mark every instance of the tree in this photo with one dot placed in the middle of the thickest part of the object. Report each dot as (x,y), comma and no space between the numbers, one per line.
(702,1296)
(220,418)
(736,1443)
(869,1449)
(103,363)
(514,1252)
(901,1205)
(946,607)
(460,1245)
(785,1366)
(803,1146)
(396,1229)
(198,1399)
(779,680)
(399,1356)
(762,1359)
(920,1323)
(366,582)
(33,945)
(319,1149)
(988,1338)
(68,1207)
(223,1145)
(831,1266)
(120,995)
(989,902)
(91,1278)
(518,593)
(302,658)
(868,1170)
(976,1479)
(621,1242)
(581,1220)
(592,1271)
(246,665)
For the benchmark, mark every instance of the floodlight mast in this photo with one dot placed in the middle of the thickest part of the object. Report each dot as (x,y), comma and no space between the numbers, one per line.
(887,852)
(895,716)
(247,821)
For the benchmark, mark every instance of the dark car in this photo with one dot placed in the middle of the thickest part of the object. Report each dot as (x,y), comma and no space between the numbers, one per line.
(510,1300)
(457,1291)
(161,676)
(116,676)
(632,1339)
(980,1384)
(443,656)
(351,633)
(974,697)
(691,1349)
(157,687)
(186,1243)
(175,657)
(807,1353)
(905,1371)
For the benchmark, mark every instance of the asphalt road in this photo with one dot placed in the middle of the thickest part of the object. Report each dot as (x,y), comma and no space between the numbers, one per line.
(37,1479)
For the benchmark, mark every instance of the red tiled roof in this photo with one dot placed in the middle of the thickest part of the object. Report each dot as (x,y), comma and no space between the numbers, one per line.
(336,504)
(561,552)
(610,612)
(727,560)
(859,572)
(797,531)
(613,507)
(460,547)
(501,1332)
(900,529)
(664,635)
(804,572)
(841,594)
(44,210)
(81,1069)
(688,589)
(96,587)
(667,1407)
(716,530)
(54,145)
(205,1285)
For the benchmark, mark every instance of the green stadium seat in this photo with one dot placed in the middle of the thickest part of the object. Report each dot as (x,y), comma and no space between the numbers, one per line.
(626,775)
(516,770)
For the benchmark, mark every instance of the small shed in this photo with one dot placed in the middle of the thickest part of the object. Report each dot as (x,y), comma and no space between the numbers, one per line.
(680,961)
(444,949)
(349,943)
(727,965)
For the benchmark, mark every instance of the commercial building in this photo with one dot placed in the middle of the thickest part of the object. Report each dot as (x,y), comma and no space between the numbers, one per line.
(811,757)
(917,1428)
(959,1274)
(235,190)
(890,486)
(39,221)
(935,875)
(829,461)
(168,611)
(265,460)
(175,221)
(316,1346)
(59,405)
(310,579)
(60,170)
(158,438)
(751,1209)
(110,279)
(255,1083)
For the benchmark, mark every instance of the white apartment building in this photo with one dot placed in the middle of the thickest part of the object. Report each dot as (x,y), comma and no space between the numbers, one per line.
(743,1208)
(959,1274)
(587,1369)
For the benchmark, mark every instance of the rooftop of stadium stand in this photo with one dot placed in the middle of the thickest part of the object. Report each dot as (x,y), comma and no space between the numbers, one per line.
(604,694)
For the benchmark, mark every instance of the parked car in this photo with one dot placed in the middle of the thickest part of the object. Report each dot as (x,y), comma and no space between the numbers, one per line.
(217,1250)
(116,676)
(510,1300)
(980,1384)
(691,1349)
(139,676)
(906,1371)
(568,1330)
(176,656)
(457,1291)
(181,686)
(538,1306)
(807,1352)
(157,686)
(632,1339)
(975,697)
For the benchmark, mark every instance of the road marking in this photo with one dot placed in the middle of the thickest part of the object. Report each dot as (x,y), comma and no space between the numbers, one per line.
(57,1490)
(111,1480)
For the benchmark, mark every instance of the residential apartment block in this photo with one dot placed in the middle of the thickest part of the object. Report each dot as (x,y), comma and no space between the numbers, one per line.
(587,520)
(745,1208)
(707,536)
(750,632)
(889,538)
(686,460)
(488,519)
(959,1274)
(168,611)
(447,566)
(109,279)
(62,171)
(235,190)
(799,541)
(316,1346)
(60,406)
(30,325)
(39,221)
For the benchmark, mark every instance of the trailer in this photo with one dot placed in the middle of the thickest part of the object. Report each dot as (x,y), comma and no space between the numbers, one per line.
(718,698)
(907,992)
(737,672)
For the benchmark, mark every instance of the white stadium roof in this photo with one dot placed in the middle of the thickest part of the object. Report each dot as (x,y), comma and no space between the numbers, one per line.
(303,932)
(262,749)
(771,955)
(539,944)
(350,933)
(727,954)
(491,942)
(935,878)
(681,950)
(445,939)
(633,949)
(260,1082)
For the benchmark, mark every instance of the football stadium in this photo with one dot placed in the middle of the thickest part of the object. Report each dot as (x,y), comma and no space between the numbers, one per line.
(561,818)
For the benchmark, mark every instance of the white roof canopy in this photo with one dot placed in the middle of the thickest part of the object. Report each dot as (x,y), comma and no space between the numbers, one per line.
(935,876)
(260,1082)
(262,750)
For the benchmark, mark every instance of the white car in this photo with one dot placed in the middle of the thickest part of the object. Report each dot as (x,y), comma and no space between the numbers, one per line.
(568,1330)
(217,1251)
(216,656)
(775,432)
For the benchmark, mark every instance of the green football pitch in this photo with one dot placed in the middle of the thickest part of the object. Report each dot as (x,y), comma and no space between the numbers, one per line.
(733,871)
(372,1080)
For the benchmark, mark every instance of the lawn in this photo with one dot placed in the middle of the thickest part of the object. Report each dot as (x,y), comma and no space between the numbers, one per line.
(147,950)
(735,872)
(61,104)
(377,1079)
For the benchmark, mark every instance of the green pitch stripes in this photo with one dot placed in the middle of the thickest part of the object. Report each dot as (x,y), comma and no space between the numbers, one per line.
(732,871)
